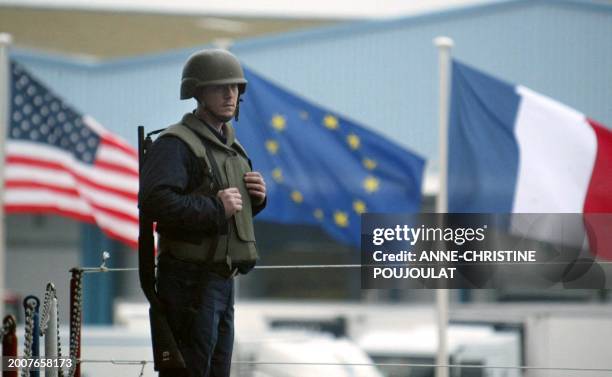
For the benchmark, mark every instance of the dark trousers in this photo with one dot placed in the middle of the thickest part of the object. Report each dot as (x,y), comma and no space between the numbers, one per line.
(204,330)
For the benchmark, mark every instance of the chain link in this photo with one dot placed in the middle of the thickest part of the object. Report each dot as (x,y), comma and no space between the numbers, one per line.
(75,319)
(50,294)
(29,334)
(5,330)
(7,327)
(60,372)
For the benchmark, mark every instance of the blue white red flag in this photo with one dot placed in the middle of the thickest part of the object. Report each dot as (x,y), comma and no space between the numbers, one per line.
(512,150)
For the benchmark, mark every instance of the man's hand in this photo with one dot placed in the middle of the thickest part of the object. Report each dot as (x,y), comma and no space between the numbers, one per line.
(232,201)
(256,186)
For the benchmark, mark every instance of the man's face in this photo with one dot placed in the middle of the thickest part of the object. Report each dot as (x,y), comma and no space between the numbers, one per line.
(221,100)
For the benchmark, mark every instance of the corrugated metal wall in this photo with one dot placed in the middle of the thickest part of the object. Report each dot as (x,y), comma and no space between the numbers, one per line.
(385,74)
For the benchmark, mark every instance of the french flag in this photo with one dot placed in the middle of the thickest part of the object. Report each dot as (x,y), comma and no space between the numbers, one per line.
(512,150)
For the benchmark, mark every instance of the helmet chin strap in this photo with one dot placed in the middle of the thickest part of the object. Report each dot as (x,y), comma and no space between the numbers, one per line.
(237,108)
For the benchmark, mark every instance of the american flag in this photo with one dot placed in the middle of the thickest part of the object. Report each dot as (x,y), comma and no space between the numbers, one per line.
(61,162)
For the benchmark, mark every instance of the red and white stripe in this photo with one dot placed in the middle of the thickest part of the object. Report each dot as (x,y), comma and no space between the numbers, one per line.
(565,165)
(44,179)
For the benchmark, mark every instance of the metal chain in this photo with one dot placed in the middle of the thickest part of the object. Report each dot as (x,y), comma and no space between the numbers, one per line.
(50,294)
(60,372)
(29,334)
(9,324)
(75,319)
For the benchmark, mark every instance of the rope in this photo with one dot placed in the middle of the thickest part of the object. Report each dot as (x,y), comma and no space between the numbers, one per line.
(144,362)
(89,270)
(106,257)
(304,266)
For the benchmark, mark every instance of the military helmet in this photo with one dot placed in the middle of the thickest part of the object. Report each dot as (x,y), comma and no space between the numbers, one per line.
(211,67)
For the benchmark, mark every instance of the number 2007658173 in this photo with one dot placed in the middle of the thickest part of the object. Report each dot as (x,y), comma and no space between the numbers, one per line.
(16,363)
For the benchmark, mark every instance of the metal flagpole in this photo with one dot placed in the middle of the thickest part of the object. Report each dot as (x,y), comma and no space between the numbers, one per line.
(5,95)
(444,45)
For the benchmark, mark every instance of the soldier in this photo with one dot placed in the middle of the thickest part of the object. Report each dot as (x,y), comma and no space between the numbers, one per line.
(199,186)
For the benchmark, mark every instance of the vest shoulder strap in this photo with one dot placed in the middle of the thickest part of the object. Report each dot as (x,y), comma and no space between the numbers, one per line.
(192,140)
(237,146)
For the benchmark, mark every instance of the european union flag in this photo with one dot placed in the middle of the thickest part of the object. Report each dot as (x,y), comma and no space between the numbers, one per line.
(321,168)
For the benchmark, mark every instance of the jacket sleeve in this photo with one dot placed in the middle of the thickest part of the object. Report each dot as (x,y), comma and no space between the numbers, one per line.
(166,177)
(258,208)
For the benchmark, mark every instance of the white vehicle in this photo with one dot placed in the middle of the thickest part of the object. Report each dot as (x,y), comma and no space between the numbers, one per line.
(297,353)
(467,345)
(551,335)
(259,349)
(278,353)
(555,335)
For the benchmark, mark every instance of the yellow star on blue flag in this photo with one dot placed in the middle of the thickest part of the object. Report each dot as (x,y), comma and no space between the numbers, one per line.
(272,146)
(371,184)
(278,122)
(297,196)
(341,219)
(330,122)
(369,164)
(359,206)
(322,168)
(277,175)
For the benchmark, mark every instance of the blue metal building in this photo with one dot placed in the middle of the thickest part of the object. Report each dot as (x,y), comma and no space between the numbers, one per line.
(382,74)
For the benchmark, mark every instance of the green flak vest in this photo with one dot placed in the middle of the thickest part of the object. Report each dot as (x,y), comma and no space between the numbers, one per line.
(238,245)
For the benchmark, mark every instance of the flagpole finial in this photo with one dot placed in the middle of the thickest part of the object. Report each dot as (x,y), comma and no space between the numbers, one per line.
(6,39)
(443,42)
